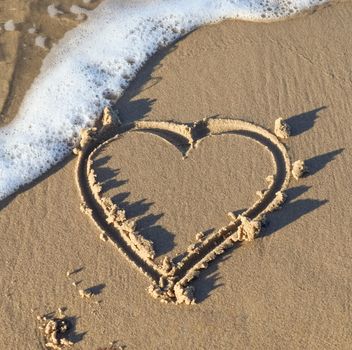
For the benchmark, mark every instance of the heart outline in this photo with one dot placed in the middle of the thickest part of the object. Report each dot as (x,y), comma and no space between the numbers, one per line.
(172,284)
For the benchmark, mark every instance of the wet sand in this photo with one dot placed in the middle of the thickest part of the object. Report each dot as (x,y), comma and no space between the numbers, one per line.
(20,57)
(290,288)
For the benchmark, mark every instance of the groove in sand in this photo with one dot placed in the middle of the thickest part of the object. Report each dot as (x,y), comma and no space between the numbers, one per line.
(170,281)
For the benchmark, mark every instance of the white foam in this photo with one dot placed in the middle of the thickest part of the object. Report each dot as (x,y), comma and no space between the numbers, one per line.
(40,41)
(32,30)
(53,11)
(98,58)
(79,11)
(10,25)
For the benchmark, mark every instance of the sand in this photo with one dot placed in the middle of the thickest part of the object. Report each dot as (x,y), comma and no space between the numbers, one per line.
(22,48)
(289,288)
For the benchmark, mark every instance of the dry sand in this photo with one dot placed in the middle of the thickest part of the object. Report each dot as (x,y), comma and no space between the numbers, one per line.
(290,288)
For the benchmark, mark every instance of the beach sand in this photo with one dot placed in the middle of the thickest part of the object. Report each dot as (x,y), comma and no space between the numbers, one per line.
(288,289)
(18,49)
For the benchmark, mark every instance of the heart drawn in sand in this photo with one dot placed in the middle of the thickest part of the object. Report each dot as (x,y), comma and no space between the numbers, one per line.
(169,280)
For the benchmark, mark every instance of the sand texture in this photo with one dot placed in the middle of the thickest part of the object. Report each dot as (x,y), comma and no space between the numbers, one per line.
(20,55)
(198,134)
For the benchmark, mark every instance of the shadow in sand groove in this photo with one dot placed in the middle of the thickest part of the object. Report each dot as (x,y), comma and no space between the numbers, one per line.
(163,240)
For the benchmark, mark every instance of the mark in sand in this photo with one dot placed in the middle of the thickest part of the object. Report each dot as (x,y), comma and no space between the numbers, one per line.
(170,278)
(58,330)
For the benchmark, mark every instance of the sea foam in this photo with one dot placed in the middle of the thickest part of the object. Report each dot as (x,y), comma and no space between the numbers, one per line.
(97,60)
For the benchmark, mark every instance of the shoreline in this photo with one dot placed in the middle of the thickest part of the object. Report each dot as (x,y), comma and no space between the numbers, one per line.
(284,289)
